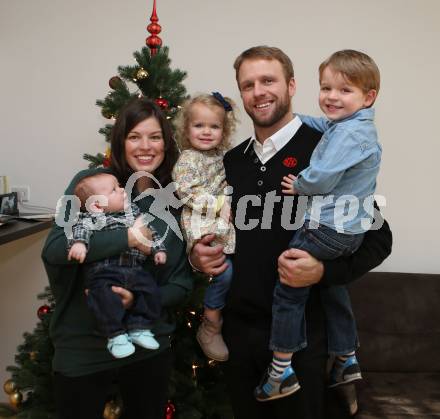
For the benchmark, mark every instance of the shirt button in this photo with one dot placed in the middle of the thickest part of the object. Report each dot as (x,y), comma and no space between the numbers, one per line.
(260,182)
(263,168)
(256,160)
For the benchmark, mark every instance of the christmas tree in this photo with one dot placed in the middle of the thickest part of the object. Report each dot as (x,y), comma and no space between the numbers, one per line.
(197,386)
(30,386)
(197,389)
(151,77)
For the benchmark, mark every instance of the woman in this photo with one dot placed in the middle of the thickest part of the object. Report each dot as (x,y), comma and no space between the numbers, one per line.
(84,371)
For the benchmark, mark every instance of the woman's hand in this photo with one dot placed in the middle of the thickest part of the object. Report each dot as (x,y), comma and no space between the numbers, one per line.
(298,268)
(139,236)
(208,259)
(126,296)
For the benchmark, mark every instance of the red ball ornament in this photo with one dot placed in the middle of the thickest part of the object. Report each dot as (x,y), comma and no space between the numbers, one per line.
(162,103)
(106,162)
(170,410)
(42,311)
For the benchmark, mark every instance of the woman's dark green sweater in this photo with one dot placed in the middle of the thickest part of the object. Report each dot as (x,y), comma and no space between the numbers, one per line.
(79,348)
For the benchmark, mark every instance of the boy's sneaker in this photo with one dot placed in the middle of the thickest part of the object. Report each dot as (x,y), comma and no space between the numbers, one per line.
(120,346)
(143,338)
(344,372)
(272,388)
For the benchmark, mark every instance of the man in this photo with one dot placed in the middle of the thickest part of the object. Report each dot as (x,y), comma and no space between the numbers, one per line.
(281,144)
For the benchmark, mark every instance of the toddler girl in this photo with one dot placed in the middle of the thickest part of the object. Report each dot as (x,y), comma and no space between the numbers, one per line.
(204,128)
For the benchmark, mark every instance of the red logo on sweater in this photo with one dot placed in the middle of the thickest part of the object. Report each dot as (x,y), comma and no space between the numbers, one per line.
(290,162)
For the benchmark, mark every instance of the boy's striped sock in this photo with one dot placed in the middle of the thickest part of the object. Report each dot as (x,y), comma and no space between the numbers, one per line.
(343,358)
(278,366)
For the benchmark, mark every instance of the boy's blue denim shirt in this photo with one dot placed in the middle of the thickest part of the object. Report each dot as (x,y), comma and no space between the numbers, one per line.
(344,164)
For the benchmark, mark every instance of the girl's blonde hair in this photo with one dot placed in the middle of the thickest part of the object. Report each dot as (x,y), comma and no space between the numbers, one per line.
(184,116)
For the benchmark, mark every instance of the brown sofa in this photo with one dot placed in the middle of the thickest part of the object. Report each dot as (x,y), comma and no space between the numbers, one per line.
(398,318)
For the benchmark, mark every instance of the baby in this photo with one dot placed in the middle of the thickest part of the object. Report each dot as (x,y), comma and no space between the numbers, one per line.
(106,202)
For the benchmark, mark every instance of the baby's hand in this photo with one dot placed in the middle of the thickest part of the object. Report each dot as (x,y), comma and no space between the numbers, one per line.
(287,184)
(160,258)
(77,252)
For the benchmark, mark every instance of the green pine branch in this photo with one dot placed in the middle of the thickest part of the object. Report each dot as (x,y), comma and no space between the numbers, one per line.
(95,161)
(162,81)
(32,372)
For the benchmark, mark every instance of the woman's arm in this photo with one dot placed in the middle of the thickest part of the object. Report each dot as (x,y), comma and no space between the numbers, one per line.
(103,244)
(178,280)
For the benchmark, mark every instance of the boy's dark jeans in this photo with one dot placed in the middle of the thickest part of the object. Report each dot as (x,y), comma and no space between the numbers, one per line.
(112,318)
(288,323)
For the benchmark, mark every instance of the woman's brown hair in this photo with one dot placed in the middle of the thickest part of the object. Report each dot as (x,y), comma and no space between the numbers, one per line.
(134,112)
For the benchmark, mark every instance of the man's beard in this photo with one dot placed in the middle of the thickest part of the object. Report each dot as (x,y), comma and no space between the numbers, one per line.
(281,109)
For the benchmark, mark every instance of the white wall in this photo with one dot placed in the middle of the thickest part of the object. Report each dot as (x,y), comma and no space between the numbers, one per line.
(57,56)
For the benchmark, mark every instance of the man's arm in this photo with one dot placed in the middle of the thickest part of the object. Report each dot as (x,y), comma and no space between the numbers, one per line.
(208,259)
(375,248)
(298,268)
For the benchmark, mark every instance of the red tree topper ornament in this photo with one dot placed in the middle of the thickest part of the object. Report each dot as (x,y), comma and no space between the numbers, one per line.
(290,162)
(42,311)
(154,42)
(170,410)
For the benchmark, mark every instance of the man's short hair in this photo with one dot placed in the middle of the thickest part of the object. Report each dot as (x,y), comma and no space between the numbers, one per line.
(358,68)
(263,52)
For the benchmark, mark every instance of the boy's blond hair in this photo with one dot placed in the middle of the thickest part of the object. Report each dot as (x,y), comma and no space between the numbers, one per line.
(358,68)
(184,117)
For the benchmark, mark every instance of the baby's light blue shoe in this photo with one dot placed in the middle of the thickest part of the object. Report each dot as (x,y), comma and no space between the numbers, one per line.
(144,338)
(120,346)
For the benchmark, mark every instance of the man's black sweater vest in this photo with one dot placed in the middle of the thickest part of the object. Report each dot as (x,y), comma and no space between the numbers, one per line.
(257,249)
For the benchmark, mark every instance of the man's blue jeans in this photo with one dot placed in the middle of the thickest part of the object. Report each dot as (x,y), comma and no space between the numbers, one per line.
(288,322)
(112,318)
(215,294)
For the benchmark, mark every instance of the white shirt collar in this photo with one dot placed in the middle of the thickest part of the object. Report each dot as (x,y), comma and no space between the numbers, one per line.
(275,142)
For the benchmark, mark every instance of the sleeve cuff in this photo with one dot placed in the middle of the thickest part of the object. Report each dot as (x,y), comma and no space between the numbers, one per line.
(193,268)
(335,273)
